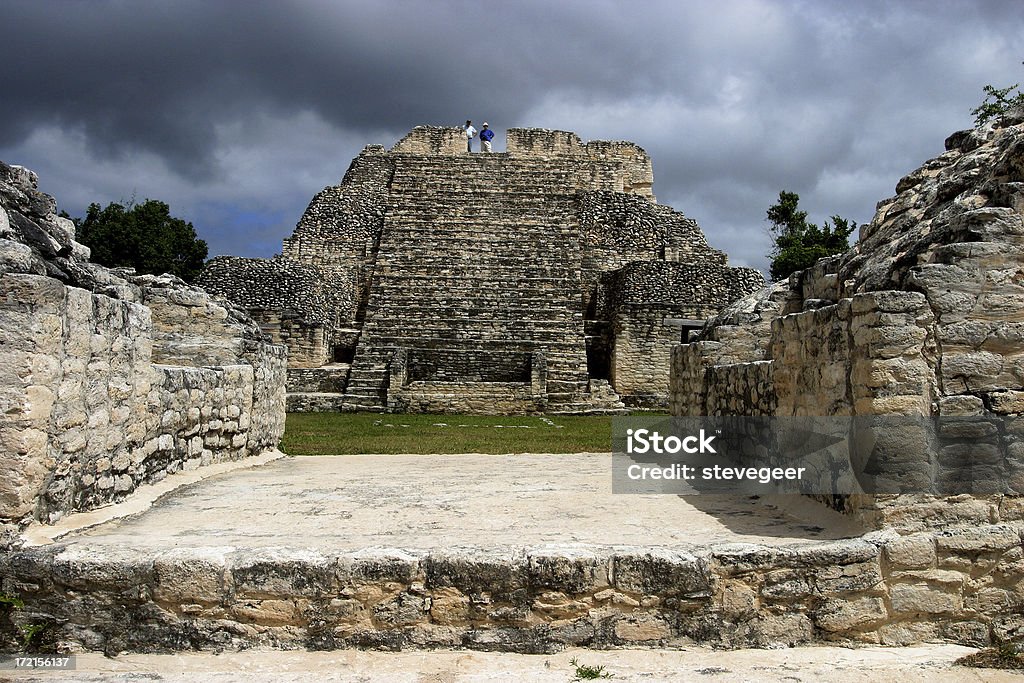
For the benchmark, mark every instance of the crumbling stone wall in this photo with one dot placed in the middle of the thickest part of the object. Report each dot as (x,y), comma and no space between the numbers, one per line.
(111,380)
(921,317)
(645,297)
(432,140)
(290,300)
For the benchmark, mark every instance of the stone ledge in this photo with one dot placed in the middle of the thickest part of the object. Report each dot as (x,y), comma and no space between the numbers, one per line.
(535,599)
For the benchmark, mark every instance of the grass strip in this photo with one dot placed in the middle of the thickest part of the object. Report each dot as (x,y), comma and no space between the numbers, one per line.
(354,433)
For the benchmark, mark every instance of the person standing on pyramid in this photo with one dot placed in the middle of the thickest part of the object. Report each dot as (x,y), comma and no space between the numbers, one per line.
(486,135)
(470,134)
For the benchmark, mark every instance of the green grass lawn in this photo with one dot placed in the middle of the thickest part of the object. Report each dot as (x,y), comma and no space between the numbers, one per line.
(349,433)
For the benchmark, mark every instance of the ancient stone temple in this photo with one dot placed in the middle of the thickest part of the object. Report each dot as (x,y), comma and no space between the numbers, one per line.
(544,278)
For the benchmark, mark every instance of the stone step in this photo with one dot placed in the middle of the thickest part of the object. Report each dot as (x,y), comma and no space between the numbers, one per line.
(427,240)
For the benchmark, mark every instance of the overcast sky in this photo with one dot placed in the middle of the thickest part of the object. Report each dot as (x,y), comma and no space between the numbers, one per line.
(237,113)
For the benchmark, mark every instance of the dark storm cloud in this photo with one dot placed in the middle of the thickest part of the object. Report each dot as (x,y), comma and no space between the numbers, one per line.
(237,112)
(161,77)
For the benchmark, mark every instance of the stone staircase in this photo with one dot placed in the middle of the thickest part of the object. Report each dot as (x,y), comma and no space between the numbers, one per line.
(477,256)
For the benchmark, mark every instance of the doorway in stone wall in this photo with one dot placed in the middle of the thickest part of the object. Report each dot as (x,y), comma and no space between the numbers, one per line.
(598,358)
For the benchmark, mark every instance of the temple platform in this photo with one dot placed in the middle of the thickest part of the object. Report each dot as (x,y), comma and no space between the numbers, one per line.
(518,553)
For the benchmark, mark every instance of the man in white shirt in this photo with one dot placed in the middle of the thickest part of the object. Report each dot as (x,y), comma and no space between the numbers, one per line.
(470,134)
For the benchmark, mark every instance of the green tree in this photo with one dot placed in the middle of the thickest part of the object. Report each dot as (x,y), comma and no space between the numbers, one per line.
(797,243)
(997,102)
(143,236)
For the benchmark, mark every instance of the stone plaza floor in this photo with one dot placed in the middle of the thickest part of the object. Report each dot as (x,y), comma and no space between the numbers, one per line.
(423,502)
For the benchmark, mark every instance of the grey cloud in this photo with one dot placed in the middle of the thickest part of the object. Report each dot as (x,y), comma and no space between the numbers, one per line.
(734,100)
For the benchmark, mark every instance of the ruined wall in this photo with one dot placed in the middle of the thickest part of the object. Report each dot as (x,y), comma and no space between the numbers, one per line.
(434,140)
(104,383)
(298,305)
(642,296)
(921,317)
(613,166)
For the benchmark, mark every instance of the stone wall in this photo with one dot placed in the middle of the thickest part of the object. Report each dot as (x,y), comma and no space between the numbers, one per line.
(292,302)
(645,299)
(432,140)
(962,585)
(921,317)
(109,381)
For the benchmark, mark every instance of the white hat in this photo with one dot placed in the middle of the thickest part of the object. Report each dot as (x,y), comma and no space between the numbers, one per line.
(485,123)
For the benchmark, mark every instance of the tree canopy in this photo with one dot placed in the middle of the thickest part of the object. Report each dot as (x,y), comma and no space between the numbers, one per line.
(142,236)
(797,243)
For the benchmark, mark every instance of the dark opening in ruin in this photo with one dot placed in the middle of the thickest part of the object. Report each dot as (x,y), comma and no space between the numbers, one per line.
(598,358)
(344,354)
(684,335)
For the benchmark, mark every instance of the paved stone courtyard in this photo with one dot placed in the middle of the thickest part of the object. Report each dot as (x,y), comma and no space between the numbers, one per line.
(423,502)
(919,664)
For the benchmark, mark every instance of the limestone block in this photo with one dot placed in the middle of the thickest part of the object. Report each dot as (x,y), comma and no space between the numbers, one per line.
(783,630)
(786,584)
(1007,402)
(616,598)
(269,612)
(282,572)
(924,598)
(190,575)
(847,552)
(908,633)
(970,633)
(449,606)
(474,572)
(570,570)
(844,615)
(861,576)
(972,371)
(975,540)
(558,607)
(737,599)
(963,405)
(375,564)
(23,470)
(911,552)
(107,568)
(662,572)
(404,609)
(642,628)
(994,601)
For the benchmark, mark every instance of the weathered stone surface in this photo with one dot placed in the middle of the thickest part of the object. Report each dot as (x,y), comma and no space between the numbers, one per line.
(923,598)
(912,552)
(922,317)
(655,572)
(846,615)
(189,575)
(107,383)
